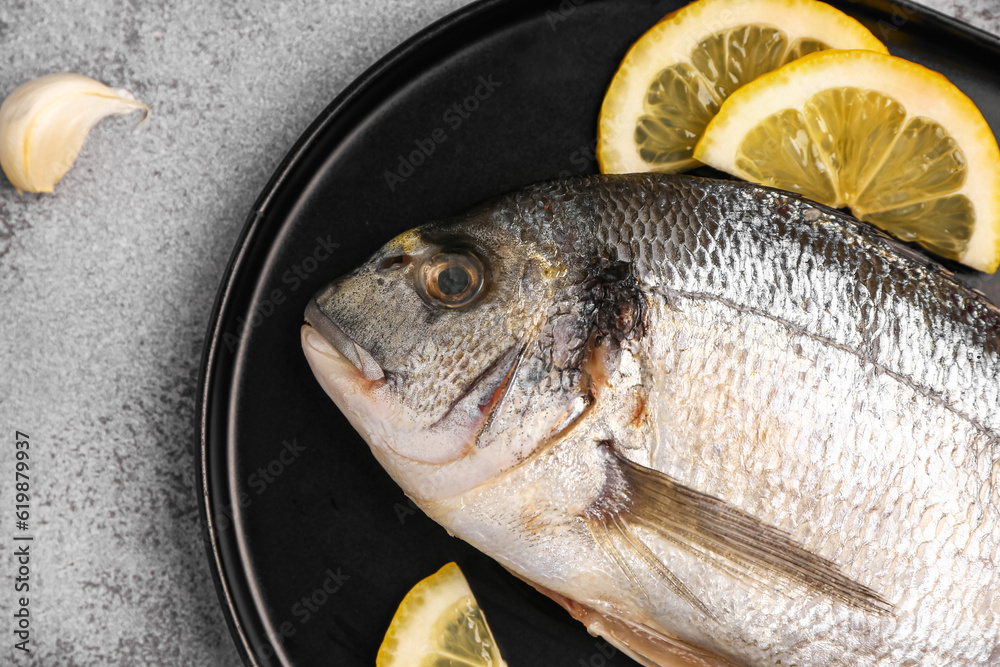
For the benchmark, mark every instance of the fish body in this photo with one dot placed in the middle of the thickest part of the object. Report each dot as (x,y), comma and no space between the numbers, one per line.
(719,423)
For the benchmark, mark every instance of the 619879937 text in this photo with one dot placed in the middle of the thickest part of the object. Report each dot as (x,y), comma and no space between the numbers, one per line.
(22,541)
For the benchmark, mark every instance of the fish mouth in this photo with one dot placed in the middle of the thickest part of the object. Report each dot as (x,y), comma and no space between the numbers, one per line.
(347,347)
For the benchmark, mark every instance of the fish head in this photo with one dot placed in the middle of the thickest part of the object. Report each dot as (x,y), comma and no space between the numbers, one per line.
(445,352)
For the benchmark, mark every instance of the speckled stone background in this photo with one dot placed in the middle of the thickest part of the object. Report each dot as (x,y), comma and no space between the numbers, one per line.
(106,288)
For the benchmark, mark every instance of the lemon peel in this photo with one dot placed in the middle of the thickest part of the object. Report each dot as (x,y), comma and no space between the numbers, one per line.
(439,623)
(895,142)
(674,78)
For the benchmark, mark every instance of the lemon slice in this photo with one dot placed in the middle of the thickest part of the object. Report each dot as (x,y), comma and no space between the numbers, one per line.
(898,144)
(673,80)
(439,624)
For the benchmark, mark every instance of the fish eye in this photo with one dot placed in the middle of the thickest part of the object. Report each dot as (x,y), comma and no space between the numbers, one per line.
(452,279)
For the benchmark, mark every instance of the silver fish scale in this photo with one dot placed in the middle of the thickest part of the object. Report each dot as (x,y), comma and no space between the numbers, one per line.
(809,266)
(851,465)
(759,355)
(828,381)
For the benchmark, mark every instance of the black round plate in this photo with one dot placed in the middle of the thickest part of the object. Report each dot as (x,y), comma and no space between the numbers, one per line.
(311,544)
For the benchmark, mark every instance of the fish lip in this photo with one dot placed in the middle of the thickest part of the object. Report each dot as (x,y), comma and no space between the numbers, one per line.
(344,344)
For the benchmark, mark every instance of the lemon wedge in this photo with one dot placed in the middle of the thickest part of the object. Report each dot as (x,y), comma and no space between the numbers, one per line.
(439,624)
(893,141)
(674,79)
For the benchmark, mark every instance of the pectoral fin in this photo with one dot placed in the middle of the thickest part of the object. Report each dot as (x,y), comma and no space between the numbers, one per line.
(719,533)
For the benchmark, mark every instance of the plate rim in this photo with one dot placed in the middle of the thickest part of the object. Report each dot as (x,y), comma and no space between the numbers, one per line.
(208,379)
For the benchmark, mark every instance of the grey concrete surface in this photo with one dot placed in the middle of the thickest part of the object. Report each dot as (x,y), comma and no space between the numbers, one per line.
(106,287)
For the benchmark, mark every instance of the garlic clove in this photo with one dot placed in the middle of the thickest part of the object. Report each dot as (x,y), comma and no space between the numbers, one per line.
(45,121)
